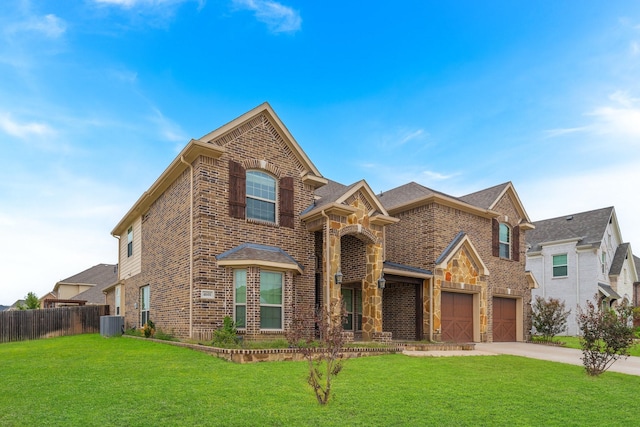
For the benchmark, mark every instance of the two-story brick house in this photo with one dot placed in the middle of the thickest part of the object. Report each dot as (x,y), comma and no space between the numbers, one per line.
(578,256)
(242,224)
(473,246)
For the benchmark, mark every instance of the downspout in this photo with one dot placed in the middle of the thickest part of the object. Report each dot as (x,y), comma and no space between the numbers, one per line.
(431,309)
(190,246)
(327,247)
(577,280)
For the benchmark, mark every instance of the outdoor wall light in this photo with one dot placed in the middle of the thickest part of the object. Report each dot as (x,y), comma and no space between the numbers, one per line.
(381,281)
(338,277)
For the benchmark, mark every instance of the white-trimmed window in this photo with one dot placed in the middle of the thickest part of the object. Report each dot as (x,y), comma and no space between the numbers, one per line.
(352,300)
(560,267)
(240,298)
(270,300)
(261,196)
(505,241)
(145,302)
(130,242)
(117,302)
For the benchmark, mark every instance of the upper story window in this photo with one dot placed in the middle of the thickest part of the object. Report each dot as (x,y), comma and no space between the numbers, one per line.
(505,241)
(261,196)
(257,195)
(560,268)
(603,262)
(130,242)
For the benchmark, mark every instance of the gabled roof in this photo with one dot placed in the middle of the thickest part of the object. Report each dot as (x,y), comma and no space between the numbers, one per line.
(255,254)
(622,252)
(100,275)
(335,198)
(586,228)
(489,198)
(461,241)
(213,145)
(412,195)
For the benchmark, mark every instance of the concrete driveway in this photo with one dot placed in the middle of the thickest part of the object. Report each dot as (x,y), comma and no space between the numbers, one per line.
(630,366)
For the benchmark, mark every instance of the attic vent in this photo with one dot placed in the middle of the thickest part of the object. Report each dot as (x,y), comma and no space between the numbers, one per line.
(207,294)
(570,217)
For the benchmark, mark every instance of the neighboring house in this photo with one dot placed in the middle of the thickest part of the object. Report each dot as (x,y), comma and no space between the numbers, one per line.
(86,287)
(16,305)
(576,257)
(4,307)
(473,246)
(242,224)
(636,285)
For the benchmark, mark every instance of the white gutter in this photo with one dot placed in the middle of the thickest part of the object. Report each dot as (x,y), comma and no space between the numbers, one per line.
(328,264)
(190,246)
(431,309)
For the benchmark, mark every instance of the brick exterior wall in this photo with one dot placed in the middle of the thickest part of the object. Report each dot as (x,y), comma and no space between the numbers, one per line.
(399,311)
(424,232)
(165,240)
(355,246)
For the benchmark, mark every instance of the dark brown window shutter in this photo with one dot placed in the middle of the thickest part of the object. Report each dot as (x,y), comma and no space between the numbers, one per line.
(237,190)
(515,243)
(495,237)
(286,202)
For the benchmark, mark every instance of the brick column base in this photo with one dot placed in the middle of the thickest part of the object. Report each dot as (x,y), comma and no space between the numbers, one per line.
(381,337)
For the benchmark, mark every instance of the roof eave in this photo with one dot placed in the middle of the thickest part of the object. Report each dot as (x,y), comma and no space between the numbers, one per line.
(192,151)
(445,201)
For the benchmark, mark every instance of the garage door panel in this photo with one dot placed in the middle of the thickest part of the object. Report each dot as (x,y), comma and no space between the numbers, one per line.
(504,319)
(457,317)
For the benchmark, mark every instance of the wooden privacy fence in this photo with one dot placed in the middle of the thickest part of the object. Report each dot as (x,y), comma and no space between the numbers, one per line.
(20,325)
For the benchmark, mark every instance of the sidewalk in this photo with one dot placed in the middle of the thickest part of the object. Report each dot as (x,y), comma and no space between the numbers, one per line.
(630,366)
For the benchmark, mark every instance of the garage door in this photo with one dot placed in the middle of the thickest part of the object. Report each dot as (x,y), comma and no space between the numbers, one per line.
(457,317)
(504,319)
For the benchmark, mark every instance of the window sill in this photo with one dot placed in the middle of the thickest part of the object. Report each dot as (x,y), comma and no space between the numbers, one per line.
(262,222)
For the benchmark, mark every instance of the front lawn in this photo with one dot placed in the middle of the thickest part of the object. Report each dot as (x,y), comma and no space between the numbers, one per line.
(574,342)
(89,380)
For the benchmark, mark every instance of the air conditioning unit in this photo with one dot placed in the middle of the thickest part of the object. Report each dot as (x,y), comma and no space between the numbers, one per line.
(111,326)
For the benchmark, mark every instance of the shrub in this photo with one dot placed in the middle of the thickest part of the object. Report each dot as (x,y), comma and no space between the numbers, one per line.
(227,336)
(149,329)
(549,317)
(606,335)
(324,355)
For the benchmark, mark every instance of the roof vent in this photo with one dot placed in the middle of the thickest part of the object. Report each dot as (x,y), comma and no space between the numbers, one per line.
(570,217)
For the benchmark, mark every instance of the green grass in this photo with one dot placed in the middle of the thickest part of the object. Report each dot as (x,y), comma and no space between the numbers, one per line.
(574,342)
(88,380)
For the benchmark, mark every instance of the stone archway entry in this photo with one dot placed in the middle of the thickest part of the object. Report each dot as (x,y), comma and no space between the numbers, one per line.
(457,317)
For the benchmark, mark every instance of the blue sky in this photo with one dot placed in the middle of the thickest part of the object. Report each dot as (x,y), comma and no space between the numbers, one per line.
(98,96)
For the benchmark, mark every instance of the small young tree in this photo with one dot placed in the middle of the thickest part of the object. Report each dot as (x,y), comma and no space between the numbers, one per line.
(31,302)
(324,356)
(549,317)
(606,335)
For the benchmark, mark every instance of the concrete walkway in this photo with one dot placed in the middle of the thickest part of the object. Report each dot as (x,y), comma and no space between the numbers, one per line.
(630,366)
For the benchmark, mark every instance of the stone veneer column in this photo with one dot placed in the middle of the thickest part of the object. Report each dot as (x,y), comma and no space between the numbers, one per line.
(372,297)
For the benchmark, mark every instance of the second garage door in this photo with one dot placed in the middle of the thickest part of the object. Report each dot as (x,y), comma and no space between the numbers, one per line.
(504,319)
(457,317)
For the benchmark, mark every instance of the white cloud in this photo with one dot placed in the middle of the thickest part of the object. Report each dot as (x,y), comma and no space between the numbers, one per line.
(167,129)
(561,195)
(277,17)
(620,118)
(412,135)
(67,218)
(48,25)
(437,176)
(24,130)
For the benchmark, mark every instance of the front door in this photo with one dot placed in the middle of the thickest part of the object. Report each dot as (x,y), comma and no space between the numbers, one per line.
(352,299)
